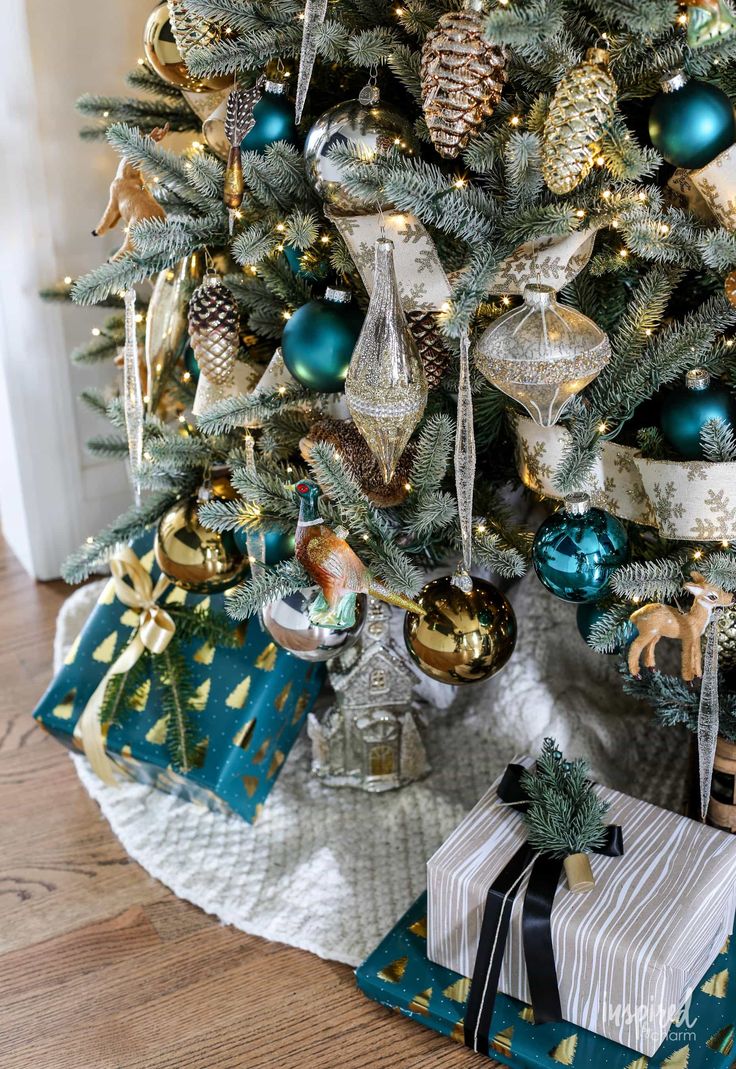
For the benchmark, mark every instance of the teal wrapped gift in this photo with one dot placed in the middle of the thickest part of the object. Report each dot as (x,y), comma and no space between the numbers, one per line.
(250,702)
(399,975)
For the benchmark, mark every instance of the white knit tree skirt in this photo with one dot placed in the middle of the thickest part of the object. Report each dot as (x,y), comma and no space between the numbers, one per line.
(331,870)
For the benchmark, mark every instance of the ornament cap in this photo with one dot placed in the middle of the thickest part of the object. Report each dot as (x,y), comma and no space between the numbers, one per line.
(598,55)
(275,88)
(369,95)
(698,378)
(577,504)
(674,81)
(337,295)
(211,279)
(538,296)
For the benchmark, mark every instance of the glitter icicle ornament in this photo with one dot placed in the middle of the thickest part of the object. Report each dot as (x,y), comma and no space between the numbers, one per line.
(462,78)
(579,113)
(213,328)
(386,388)
(542,354)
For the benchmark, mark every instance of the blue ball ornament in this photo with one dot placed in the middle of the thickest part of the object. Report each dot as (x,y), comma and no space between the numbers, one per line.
(319,339)
(685,411)
(191,364)
(691,122)
(279,545)
(576,550)
(590,612)
(293,258)
(274,120)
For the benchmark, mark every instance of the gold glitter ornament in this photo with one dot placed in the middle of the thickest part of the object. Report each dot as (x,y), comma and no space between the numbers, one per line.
(213,328)
(542,354)
(462,78)
(386,388)
(580,111)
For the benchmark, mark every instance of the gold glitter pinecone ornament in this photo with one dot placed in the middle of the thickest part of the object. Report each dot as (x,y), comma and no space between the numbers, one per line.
(579,113)
(727,639)
(431,345)
(463,76)
(344,436)
(213,329)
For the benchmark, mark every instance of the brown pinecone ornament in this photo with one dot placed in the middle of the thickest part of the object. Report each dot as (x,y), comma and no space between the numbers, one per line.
(345,437)
(463,76)
(727,639)
(213,329)
(432,349)
(190,30)
(579,113)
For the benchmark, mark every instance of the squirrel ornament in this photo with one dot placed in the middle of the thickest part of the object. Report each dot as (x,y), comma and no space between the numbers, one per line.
(130,201)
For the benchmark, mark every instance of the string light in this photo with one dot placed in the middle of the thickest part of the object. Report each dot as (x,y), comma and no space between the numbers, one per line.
(459,183)
(623,253)
(481,529)
(95,332)
(697,554)
(67,280)
(186,376)
(286,315)
(514,120)
(407,487)
(602,428)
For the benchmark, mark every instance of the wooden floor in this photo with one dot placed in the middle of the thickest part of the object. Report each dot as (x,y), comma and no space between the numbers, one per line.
(102,968)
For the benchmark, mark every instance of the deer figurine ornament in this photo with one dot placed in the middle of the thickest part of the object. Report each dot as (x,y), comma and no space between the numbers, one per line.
(130,200)
(657,621)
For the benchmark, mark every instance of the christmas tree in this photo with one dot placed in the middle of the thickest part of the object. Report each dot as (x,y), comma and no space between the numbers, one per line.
(510,229)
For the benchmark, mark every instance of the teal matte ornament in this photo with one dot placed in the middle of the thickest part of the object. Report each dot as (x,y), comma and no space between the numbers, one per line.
(191,364)
(279,544)
(576,550)
(319,339)
(590,612)
(685,411)
(274,120)
(691,122)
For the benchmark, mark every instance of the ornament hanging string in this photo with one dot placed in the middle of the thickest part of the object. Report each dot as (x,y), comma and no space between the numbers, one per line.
(154,631)
(133,394)
(708,714)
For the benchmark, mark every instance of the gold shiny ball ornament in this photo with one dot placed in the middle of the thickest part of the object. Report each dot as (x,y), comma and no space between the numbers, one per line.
(464,637)
(191,556)
(163,55)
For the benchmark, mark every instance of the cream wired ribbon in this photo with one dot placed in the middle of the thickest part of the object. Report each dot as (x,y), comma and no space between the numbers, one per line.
(154,632)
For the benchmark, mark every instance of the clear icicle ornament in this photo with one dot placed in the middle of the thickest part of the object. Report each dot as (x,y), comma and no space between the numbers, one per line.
(386,388)
(314,17)
(133,395)
(464,468)
(542,354)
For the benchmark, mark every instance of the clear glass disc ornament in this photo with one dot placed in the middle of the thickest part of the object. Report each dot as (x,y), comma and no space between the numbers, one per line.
(386,388)
(542,354)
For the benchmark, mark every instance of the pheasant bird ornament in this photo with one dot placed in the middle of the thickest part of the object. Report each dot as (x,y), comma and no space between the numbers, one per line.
(333,566)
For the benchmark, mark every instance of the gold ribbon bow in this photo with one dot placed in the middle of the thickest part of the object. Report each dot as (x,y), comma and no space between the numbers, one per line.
(154,632)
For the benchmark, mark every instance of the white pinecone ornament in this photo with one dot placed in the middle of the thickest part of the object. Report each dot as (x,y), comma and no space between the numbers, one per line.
(213,330)
(463,76)
(579,113)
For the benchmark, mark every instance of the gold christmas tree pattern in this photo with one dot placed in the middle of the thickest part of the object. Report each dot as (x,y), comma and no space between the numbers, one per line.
(386,388)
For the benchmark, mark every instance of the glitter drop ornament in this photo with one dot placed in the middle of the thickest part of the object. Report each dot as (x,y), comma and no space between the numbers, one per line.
(542,354)
(462,78)
(579,113)
(386,388)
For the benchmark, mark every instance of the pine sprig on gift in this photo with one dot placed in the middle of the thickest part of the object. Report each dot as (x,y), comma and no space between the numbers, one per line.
(565,815)
(121,691)
(178,694)
(215,628)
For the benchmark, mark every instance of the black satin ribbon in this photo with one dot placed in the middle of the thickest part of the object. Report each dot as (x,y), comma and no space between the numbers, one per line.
(535,923)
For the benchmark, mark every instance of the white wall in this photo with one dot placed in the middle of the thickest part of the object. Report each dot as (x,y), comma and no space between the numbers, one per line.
(53,188)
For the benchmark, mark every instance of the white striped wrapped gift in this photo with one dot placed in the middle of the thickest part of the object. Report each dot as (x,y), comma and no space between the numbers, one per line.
(629,952)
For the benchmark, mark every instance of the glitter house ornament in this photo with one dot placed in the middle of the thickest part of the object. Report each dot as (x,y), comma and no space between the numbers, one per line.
(372,129)
(462,78)
(386,388)
(576,550)
(691,122)
(579,113)
(685,411)
(542,354)
(465,636)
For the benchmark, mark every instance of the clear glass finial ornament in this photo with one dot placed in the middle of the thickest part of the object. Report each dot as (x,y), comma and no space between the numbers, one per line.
(542,354)
(386,388)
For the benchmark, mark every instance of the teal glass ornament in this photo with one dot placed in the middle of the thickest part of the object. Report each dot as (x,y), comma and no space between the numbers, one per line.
(319,339)
(685,411)
(279,545)
(576,550)
(274,120)
(191,363)
(590,612)
(691,122)
(314,274)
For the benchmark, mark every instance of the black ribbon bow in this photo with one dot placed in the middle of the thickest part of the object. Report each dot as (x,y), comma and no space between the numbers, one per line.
(535,924)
